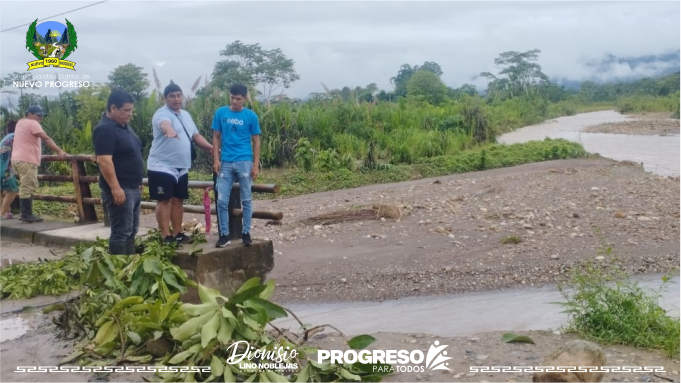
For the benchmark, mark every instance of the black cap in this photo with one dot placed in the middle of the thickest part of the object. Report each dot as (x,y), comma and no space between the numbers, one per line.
(36,109)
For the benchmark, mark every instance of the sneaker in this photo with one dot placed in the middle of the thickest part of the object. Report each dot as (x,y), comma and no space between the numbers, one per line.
(223,241)
(7,216)
(169,240)
(246,239)
(182,238)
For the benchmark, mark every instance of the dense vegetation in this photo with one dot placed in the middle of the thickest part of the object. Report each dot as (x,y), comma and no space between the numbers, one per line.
(130,310)
(350,128)
(359,135)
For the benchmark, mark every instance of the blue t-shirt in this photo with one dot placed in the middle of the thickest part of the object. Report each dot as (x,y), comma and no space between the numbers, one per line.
(171,152)
(237,129)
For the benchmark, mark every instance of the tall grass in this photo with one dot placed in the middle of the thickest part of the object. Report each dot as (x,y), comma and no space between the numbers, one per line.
(403,132)
(607,306)
(640,104)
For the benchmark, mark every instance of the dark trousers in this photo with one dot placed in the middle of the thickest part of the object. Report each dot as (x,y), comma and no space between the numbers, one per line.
(124,219)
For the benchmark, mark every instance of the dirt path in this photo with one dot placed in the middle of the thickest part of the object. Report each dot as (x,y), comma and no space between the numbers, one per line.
(449,240)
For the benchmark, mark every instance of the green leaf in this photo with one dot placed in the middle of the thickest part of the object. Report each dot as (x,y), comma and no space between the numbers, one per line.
(304,374)
(269,290)
(189,377)
(190,327)
(229,375)
(348,375)
(272,310)
(208,295)
(134,337)
(274,377)
(325,367)
(216,366)
(249,284)
(245,295)
(172,281)
(227,313)
(262,377)
(181,357)
(225,330)
(510,337)
(140,359)
(106,333)
(361,341)
(151,266)
(210,330)
(247,333)
(126,302)
(195,310)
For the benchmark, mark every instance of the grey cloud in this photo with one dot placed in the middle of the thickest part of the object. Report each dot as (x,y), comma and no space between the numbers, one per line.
(357,43)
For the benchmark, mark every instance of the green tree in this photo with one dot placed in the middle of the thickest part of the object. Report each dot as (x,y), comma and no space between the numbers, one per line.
(267,70)
(427,85)
(91,104)
(131,79)
(406,71)
(519,74)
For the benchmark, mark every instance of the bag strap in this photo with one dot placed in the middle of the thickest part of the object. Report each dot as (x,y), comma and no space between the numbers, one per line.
(183,128)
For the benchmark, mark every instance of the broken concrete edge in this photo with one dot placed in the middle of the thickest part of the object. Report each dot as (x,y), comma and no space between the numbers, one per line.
(17,234)
(11,306)
(225,269)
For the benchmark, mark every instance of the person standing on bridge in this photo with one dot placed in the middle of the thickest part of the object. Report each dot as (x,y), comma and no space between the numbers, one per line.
(8,183)
(235,128)
(170,159)
(26,156)
(118,151)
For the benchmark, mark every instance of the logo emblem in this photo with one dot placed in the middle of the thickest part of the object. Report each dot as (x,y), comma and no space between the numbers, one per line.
(51,42)
(436,357)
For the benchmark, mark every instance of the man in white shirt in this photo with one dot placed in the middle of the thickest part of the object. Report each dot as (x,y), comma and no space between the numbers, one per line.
(169,162)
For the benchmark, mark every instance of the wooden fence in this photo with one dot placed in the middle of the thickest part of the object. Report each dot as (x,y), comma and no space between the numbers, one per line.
(85,202)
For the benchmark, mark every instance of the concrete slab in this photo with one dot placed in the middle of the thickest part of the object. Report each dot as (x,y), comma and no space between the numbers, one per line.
(224,269)
(73,235)
(25,232)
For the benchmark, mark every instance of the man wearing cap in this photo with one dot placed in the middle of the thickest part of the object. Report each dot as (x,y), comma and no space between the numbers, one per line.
(28,137)
(170,158)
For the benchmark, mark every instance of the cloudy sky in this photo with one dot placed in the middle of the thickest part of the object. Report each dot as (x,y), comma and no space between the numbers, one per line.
(357,43)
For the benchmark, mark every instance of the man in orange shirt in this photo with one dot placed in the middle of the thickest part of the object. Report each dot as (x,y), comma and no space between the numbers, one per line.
(26,158)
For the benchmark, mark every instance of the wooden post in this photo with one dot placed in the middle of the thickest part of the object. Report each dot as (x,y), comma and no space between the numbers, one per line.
(235,224)
(86,213)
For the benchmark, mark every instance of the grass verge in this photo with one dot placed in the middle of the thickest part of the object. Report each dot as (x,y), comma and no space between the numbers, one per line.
(608,307)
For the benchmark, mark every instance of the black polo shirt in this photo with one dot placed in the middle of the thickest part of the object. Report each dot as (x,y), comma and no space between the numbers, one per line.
(120,141)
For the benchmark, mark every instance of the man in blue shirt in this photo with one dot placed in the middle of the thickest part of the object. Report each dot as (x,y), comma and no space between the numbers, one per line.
(169,162)
(235,128)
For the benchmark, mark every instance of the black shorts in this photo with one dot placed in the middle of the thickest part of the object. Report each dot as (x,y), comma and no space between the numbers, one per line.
(162,186)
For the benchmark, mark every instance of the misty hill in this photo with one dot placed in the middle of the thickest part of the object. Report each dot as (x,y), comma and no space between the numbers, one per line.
(637,68)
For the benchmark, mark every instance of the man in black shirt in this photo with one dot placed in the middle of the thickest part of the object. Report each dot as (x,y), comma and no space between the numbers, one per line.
(121,168)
